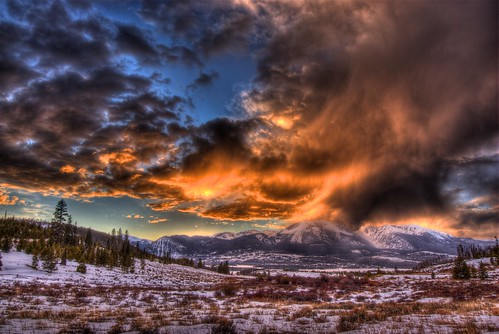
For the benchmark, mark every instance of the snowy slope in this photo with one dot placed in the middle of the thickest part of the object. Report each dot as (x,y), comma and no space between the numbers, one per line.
(166,245)
(415,238)
(16,269)
(141,243)
(395,237)
(314,232)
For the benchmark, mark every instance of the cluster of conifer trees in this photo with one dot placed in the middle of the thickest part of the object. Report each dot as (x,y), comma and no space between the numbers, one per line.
(55,243)
(462,270)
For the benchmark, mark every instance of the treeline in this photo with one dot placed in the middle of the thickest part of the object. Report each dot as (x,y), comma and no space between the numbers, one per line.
(55,243)
(465,253)
(433,262)
(477,252)
(463,270)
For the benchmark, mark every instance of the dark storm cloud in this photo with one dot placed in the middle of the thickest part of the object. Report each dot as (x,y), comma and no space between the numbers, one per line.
(204,80)
(390,89)
(132,40)
(218,140)
(478,176)
(279,191)
(75,122)
(210,27)
(363,109)
(229,36)
(473,184)
(55,39)
(13,74)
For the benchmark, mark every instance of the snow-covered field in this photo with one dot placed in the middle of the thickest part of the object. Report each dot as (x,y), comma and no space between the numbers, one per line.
(17,269)
(163,298)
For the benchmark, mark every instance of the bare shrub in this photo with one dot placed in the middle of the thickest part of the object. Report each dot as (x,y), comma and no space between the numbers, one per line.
(224,326)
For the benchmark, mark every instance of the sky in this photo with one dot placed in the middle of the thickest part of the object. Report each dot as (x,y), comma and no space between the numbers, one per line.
(196,117)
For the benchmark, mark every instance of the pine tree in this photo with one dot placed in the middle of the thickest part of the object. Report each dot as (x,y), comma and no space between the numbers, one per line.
(461,269)
(132,267)
(60,216)
(49,263)
(6,244)
(88,238)
(482,271)
(69,232)
(126,253)
(223,268)
(473,271)
(64,257)
(34,262)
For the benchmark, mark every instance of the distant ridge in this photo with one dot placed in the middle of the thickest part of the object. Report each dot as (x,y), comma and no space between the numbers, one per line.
(316,241)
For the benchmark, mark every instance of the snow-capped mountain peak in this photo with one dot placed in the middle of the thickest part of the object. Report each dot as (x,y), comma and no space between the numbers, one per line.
(399,236)
(314,231)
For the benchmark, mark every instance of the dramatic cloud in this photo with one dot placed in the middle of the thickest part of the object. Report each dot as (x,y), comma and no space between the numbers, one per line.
(356,111)
(388,91)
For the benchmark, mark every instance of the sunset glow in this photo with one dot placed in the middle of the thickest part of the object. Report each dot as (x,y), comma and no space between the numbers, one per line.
(173,117)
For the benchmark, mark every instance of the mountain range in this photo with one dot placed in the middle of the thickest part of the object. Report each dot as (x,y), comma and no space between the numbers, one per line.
(315,244)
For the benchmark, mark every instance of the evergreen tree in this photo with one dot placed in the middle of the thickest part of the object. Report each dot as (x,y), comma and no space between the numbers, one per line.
(70,235)
(88,238)
(132,267)
(126,253)
(1,263)
(482,271)
(223,268)
(34,262)
(473,271)
(200,264)
(6,244)
(49,263)
(60,216)
(461,269)
(64,257)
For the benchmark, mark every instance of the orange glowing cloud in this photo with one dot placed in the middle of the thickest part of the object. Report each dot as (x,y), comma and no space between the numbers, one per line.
(249,209)
(158,220)
(125,156)
(317,207)
(67,169)
(6,199)
(135,216)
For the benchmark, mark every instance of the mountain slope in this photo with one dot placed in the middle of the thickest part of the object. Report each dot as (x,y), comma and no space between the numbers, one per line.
(316,242)
(415,238)
(320,232)
(235,235)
